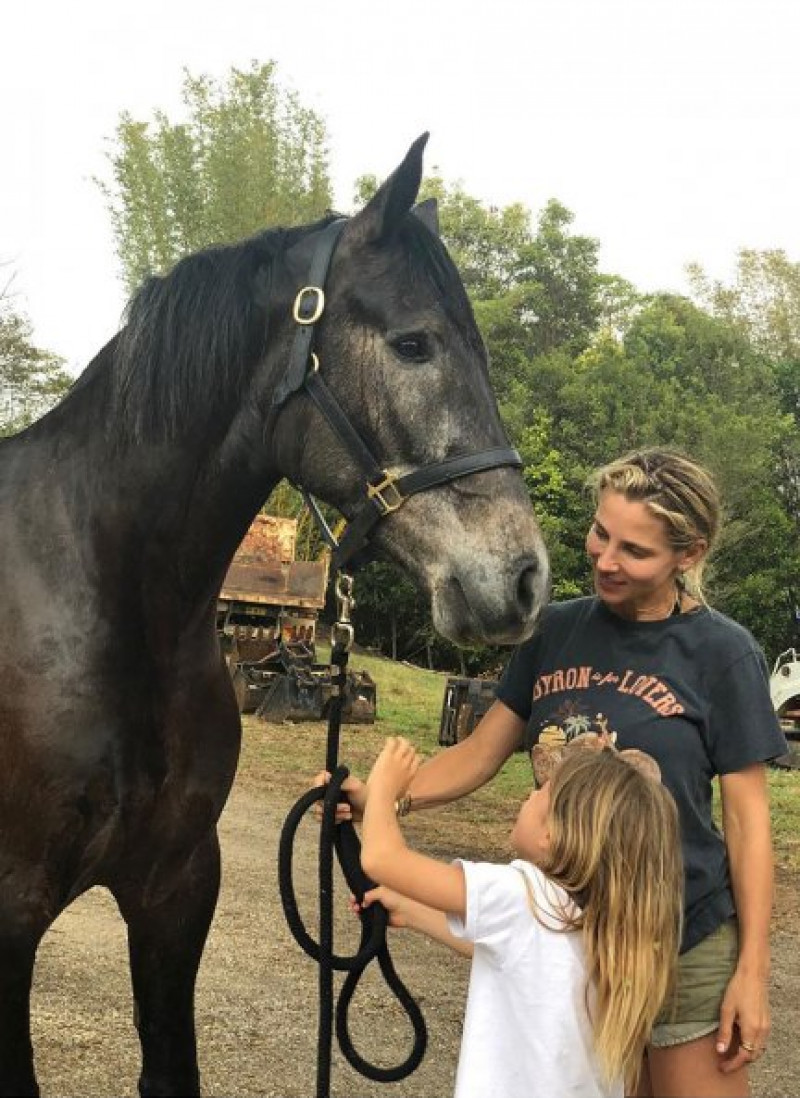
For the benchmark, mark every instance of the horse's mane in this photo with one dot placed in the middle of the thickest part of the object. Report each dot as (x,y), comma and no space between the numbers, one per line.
(190,338)
(190,335)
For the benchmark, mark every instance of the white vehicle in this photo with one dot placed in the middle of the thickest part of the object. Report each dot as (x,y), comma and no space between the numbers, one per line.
(784,688)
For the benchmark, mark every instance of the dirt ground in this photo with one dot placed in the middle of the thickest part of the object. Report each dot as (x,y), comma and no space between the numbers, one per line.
(256,1000)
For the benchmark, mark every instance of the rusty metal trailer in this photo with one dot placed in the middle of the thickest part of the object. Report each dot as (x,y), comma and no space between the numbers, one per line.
(267,615)
(268,597)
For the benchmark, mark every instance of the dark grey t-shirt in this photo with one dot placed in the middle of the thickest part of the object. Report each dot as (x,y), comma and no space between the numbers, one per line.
(691,690)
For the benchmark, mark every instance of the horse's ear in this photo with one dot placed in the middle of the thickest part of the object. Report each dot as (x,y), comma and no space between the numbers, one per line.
(393,200)
(428,213)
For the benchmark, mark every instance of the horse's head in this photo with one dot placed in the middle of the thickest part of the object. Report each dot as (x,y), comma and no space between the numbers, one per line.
(398,347)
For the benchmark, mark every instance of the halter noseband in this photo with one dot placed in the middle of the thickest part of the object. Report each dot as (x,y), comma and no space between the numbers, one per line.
(385,492)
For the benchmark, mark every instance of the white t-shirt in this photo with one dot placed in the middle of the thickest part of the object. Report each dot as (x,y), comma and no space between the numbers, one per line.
(526,1030)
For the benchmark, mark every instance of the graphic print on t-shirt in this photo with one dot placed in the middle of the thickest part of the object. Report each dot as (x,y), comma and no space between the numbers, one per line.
(572,719)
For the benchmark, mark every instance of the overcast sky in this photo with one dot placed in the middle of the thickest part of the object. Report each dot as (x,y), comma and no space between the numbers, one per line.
(669,127)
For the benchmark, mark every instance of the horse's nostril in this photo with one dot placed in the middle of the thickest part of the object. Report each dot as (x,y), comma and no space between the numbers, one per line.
(526,588)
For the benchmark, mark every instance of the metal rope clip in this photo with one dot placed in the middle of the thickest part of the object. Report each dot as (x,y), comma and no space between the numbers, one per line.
(342,628)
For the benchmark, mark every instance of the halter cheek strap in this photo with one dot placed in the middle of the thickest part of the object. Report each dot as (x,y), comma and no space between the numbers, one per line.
(308,308)
(384,492)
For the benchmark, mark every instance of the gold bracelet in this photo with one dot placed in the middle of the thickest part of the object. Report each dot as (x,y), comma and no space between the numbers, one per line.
(402,806)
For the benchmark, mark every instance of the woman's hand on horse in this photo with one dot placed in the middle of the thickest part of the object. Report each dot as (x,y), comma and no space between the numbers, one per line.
(351,809)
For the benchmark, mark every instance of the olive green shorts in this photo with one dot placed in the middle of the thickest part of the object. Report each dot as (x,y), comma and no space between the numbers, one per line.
(704,972)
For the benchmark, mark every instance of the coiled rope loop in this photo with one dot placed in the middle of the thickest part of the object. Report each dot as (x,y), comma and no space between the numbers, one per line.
(343,839)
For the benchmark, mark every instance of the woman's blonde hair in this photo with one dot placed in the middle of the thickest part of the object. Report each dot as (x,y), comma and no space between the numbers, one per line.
(615,848)
(678,490)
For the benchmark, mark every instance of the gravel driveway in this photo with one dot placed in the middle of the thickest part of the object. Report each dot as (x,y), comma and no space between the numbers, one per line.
(256,1000)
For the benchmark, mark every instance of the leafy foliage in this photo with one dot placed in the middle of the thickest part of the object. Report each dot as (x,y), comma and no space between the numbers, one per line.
(763,306)
(31,380)
(247,156)
(763,301)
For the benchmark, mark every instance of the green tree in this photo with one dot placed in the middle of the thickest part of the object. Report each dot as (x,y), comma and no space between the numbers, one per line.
(684,378)
(31,380)
(389,611)
(763,302)
(535,287)
(248,155)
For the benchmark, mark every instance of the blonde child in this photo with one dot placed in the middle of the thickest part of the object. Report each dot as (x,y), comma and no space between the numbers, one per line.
(573,944)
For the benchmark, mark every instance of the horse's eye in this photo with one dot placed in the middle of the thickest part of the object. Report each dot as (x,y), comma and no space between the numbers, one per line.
(412,348)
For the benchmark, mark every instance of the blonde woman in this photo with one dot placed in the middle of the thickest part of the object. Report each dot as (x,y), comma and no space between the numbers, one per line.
(573,944)
(647,661)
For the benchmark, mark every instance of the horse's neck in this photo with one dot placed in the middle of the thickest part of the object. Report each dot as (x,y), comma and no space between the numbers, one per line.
(219,508)
(192,517)
(165,518)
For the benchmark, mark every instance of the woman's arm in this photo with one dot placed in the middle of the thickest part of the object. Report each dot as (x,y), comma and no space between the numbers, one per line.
(746,827)
(465,767)
(453,772)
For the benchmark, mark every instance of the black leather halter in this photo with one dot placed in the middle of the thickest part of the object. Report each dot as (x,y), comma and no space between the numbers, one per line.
(385,492)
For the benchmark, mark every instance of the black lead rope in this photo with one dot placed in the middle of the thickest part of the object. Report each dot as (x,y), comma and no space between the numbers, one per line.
(374,920)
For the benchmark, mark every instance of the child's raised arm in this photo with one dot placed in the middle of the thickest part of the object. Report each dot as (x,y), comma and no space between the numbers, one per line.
(384,854)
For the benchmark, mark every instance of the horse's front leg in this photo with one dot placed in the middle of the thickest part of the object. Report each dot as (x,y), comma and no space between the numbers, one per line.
(165,942)
(17,956)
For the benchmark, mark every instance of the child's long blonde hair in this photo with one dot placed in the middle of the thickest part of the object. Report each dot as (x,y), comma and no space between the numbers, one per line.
(615,848)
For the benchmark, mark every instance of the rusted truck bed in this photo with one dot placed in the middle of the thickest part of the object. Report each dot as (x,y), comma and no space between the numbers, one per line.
(299,583)
(266,619)
(264,571)
(268,596)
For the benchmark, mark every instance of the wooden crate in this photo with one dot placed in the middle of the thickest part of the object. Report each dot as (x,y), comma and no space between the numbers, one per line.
(465,702)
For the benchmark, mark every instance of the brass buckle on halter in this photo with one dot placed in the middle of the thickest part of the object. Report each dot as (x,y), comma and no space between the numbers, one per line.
(388,484)
(318,307)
